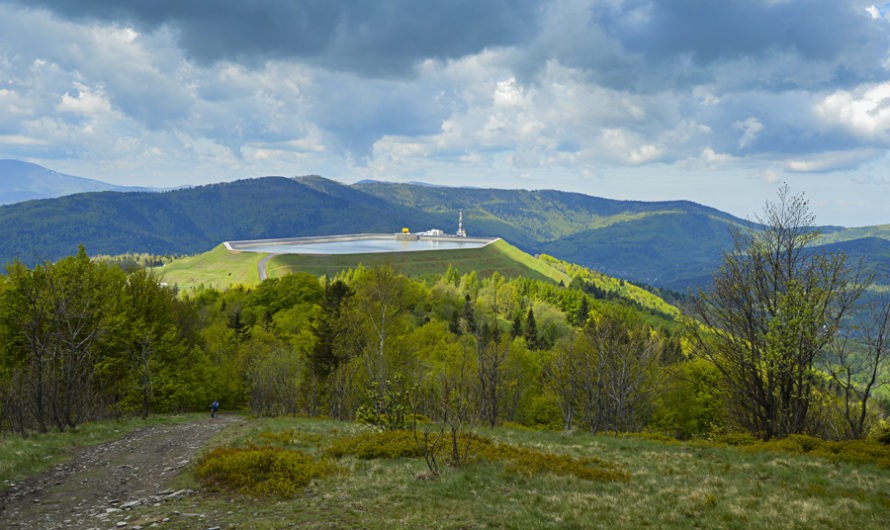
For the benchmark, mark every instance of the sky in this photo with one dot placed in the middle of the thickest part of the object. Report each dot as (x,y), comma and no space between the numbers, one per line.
(717,102)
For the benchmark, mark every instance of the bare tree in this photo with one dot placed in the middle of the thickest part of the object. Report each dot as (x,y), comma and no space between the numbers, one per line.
(619,359)
(492,350)
(452,393)
(858,364)
(562,373)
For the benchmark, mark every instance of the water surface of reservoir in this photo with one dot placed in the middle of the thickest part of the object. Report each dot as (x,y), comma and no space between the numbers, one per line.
(355,245)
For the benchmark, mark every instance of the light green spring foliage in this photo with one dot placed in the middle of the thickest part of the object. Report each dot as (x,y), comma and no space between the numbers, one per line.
(80,335)
(279,348)
(609,284)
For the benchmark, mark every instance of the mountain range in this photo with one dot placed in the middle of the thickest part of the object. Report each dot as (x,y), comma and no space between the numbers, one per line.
(670,244)
(24,181)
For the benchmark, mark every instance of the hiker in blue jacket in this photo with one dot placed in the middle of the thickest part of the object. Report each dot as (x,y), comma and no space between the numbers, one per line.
(213,408)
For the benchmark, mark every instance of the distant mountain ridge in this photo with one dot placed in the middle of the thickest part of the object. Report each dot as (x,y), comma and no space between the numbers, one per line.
(670,244)
(24,181)
(673,244)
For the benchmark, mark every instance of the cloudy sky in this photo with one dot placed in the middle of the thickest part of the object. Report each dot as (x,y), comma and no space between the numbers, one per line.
(718,102)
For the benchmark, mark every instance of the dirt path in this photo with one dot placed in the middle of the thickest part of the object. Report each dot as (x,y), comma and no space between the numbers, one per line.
(100,483)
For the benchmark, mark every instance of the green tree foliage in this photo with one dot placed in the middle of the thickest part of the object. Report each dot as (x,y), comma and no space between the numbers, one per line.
(325,357)
(368,344)
(274,374)
(152,336)
(774,306)
(530,331)
(82,340)
(58,323)
(691,404)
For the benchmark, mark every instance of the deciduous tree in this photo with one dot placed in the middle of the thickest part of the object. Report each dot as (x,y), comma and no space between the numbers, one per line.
(774,305)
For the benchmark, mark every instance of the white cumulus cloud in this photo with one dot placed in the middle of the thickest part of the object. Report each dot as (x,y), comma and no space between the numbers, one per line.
(864,111)
(84,101)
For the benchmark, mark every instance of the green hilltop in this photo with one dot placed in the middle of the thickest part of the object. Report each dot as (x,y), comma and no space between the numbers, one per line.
(221,267)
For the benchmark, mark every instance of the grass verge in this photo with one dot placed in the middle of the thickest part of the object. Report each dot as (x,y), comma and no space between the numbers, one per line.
(663,485)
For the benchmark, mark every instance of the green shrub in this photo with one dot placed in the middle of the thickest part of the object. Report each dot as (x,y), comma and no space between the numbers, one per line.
(388,406)
(397,444)
(692,403)
(735,439)
(856,451)
(533,462)
(799,443)
(376,444)
(860,451)
(529,462)
(543,413)
(793,443)
(880,433)
(261,471)
(288,437)
(654,436)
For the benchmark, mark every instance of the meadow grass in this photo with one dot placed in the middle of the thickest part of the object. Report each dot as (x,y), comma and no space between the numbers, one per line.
(218,268)
(669,485)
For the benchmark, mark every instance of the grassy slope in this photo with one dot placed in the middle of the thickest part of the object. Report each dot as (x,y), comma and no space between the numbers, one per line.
(671,485)
(499,256)
(220,268)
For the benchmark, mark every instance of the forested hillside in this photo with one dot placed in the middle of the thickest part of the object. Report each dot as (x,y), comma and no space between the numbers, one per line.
(82,339)
(185,221)
(674,245)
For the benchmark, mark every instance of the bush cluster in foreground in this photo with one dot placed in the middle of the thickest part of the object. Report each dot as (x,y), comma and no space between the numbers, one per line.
(271,470)
(261,471)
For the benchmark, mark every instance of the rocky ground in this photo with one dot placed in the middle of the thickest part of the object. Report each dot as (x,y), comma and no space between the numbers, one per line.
(102,485)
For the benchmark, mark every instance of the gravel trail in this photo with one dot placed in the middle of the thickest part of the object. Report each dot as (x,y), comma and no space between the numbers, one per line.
(97,487)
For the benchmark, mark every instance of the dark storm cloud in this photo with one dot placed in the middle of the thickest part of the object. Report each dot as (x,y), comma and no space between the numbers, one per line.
(381,37)
(640,45)
(839,35)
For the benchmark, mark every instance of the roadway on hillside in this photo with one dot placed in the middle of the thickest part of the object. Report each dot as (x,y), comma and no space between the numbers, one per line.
(261,266)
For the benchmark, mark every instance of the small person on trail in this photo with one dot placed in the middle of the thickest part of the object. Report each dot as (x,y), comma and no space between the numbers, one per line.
(213,408)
